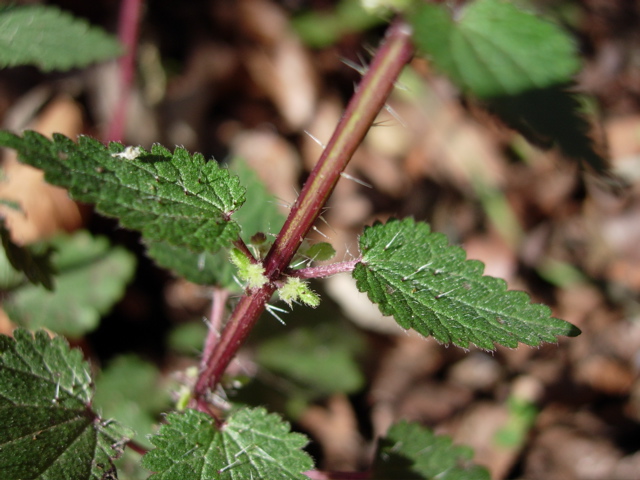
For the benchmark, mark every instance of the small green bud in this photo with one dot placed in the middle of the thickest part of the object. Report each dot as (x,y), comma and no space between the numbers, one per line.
(297,290)
(251,273)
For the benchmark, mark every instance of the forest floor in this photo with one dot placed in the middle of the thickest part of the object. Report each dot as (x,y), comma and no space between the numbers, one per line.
(235,79)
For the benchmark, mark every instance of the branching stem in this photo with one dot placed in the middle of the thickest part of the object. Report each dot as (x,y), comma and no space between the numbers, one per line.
(240,245)
(360,114)
(136,447)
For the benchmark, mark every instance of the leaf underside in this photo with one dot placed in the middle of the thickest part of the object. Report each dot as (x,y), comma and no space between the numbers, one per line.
(426,284)
(492,48)
(51,39)
(48,429)
(410,451)
(173,197)
(251,444)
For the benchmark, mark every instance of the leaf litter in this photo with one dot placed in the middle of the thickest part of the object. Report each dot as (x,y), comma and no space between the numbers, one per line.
(530,215)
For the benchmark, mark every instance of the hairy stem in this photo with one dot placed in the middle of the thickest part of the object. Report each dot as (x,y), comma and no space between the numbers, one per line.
(360,114)
(325,270)
(218,302)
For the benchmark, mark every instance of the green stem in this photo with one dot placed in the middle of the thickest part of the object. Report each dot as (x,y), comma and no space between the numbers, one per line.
(361,112)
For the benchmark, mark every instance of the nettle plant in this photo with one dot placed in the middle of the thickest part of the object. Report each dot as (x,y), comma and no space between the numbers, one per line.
(190,213)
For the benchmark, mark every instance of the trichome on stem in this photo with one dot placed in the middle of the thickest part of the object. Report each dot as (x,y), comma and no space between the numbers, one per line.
(369,98)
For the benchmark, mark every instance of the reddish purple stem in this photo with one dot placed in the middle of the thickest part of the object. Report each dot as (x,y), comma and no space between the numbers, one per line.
(325,270)
(218,302)
(360,114)
(128,26)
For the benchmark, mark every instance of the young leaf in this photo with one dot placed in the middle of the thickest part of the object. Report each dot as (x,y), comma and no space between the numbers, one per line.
(251,444)
(297,290)
(51,39)
(251,273)
(307,253)
(35,265)
(491,48)
(425,284)
(321,252)
(48,428)
(410,451)
(173,197)
(92,277)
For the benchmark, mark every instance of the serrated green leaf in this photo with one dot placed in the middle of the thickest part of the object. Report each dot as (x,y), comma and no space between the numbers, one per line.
(321,358)
(258,214)
(410,451)
(51,39)
(492,48)
(36,265)
(173,197)
(426,284)
(92,277)
(251,444)
(49,431)
(127,390)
